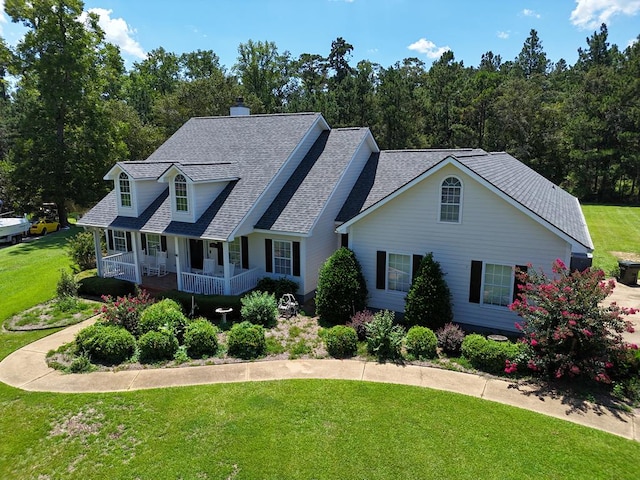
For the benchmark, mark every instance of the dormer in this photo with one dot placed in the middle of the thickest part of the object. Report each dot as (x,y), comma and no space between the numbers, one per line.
(193,187)
(136,186)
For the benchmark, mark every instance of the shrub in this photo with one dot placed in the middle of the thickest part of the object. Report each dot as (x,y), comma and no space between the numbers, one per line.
(106,343)
(157,345)
(429,300)
(359,323)
(98,286)
(278,287)
(384,339)
(200,339)
(259,308)
(81,249)
(342,341)
(67,285)
(421,342)
(246,341)
(342,290)
(489,355)
(81,364)
(450,339)
(164,314)
(205,305)
(569,329)
(125,311)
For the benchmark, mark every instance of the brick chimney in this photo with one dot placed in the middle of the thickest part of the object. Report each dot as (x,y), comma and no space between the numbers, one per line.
(239,109)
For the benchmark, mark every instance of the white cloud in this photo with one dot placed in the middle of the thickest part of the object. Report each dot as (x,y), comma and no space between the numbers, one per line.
(590,14)
(118,32)
(428,48)
(503,35)
(530,13)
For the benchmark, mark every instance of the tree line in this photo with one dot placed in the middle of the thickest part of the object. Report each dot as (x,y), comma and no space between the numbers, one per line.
(69,109)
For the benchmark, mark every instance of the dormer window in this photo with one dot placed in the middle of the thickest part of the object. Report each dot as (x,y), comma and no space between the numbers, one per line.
(182,202)
(450,200)
(125,190)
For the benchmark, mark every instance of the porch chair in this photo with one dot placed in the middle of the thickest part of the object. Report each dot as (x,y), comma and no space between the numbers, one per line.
(288,306)
(162,264)
(150,265)
(209,267)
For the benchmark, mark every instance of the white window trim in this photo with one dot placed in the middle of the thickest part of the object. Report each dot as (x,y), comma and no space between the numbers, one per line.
(186,196)
(482,285)
(386,276)
(232,251)
(120,192)
(118,233)
(148,245)
(273,257)
(440,200)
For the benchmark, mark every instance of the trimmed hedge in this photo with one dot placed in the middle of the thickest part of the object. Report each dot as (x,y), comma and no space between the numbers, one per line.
(260,308)
(165,313)
(342,341)
(421,343)
(246,341)
(156,346)
(98,286)
(489,355)
(200,339)
(278,286)
(206,304)
(106,343)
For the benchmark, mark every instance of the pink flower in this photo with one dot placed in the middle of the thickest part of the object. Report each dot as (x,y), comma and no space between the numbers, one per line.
(575,370)
(533,342)
(608,365)
(588,333)
(572,323)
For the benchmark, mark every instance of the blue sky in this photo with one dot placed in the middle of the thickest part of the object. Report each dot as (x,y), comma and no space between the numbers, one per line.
(382,31)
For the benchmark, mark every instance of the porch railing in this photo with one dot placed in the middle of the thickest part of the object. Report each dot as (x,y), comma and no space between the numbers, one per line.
(209,285)
(120,265)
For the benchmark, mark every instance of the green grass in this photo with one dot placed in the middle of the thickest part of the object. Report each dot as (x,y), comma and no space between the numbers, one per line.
(29,272)
(613,229)
(290,430)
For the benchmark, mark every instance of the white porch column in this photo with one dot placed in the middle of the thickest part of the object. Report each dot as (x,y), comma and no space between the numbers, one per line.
(178,263)
(136,258)
(97,246)
(227,269)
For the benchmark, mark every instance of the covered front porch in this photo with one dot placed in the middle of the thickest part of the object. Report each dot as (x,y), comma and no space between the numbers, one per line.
(198,266)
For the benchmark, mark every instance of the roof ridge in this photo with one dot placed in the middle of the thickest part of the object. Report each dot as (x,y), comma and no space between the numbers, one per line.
(260,115)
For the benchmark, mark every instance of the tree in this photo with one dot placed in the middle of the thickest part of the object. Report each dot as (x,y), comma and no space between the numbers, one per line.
(58,59)
(429,300)
(342,290)
(532,60)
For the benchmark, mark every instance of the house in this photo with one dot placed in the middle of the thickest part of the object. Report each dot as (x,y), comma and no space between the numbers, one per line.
(228,200)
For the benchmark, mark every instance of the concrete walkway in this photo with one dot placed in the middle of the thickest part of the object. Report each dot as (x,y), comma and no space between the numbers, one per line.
(27,369)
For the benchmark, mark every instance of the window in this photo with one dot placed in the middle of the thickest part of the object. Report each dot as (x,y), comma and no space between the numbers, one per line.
(282,257)
(180,184)
(450,195)
(235,253)
(399,272)
(119,241)
(153,244)
(125,190)
(498,281)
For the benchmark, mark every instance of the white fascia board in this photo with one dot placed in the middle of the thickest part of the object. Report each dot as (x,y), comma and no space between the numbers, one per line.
(281,233)
(325,126)
(169,171)
(113,172)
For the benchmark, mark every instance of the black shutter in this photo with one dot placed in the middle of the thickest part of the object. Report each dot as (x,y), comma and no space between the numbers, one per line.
(476,281)
(129,246)
(220,253)
(244,247)
(296,258)
(516,280)
(143,241)
(268,255)
(109,239)
(344,240)
(381,270)
(417,259)
(163,243)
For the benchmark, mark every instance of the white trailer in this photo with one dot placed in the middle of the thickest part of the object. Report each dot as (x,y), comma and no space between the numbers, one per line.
(13,229)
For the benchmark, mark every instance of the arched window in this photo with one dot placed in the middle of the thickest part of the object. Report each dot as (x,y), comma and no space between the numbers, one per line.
(182,203)
(450,199)
(125,190)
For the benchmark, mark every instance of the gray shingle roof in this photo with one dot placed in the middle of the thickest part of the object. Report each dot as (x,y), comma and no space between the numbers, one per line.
(202,172)
(143,170)
(388,171)
(305,194)
(252,148)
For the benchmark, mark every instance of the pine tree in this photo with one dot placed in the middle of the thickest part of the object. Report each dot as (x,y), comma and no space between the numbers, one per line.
(429,300)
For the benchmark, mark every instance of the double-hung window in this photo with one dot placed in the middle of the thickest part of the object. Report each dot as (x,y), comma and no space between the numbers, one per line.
(282,257)
(153,244)
(450,200)
(399,272)
(497,285)
(125,190)
(235,252)
(119,241)
(182,201)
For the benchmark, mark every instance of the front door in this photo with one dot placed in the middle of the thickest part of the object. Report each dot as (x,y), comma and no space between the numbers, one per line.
(196,251)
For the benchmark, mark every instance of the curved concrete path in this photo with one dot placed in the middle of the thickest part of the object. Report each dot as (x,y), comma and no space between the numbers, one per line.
(27,369)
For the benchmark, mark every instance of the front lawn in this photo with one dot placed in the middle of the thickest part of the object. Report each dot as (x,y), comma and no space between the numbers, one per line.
(29,271)
(293,429)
